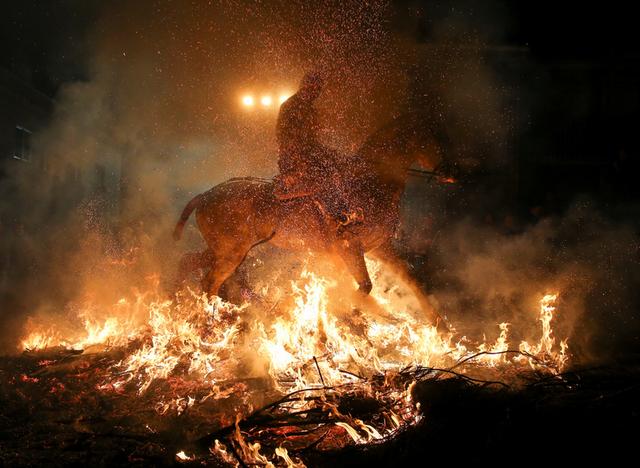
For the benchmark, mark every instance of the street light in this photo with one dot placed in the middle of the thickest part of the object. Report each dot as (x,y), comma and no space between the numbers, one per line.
(247,101)
(266,101)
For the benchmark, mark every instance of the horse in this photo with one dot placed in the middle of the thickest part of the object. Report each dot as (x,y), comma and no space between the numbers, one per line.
(242,213)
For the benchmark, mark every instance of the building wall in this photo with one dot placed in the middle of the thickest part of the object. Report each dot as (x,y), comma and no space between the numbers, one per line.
(21,105)
(35,202)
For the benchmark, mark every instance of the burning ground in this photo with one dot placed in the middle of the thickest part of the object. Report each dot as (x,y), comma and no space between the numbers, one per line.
(300,374)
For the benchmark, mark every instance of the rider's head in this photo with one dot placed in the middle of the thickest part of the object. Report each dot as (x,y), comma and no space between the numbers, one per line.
(311,85)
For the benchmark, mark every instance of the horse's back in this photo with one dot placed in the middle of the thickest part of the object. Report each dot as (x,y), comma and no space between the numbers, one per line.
(239,207)
(239,191)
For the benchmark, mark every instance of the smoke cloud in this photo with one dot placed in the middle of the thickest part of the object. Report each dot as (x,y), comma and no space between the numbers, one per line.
(158,119)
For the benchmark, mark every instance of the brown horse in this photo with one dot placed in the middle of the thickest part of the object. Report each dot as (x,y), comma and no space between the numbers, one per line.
(239,214)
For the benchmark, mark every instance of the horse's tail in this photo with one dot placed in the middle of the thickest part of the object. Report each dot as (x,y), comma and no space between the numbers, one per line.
(192,205)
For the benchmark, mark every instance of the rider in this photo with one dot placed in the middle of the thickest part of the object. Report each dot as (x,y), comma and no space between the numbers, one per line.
(304,163)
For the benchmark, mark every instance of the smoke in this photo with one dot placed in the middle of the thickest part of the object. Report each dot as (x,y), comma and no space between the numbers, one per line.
(155,120)
(158,119)
(486,262)
(482,273)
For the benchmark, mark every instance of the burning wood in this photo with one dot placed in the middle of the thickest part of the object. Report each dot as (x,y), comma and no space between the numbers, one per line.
(330,382)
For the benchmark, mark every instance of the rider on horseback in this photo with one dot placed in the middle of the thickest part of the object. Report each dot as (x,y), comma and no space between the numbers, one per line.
(302,159)
(307,167)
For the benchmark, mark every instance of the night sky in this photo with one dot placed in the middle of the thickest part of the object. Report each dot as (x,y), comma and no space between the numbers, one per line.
(48,39)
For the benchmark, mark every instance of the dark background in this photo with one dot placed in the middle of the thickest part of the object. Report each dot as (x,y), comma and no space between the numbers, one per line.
(575,65)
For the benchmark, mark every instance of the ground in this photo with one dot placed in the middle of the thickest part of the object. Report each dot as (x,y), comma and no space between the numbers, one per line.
(53,414)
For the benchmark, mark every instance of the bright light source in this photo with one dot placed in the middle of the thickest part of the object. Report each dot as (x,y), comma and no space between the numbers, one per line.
(247,101)
(266,101)
(283,97)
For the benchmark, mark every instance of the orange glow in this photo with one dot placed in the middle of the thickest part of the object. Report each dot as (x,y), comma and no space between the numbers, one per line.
(305,343)
(284,97)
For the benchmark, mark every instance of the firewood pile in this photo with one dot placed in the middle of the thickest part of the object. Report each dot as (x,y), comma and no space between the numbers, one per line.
(57,409)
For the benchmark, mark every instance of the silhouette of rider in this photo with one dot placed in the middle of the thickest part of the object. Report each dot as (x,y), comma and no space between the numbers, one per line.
(304,163)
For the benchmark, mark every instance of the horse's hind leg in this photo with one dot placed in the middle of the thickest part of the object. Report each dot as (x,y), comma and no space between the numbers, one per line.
(190,262)
(223,265)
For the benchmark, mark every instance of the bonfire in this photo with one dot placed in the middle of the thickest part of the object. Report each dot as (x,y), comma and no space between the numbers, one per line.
(297,369)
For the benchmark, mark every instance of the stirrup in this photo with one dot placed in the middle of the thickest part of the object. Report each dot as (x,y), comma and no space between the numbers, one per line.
(351,217)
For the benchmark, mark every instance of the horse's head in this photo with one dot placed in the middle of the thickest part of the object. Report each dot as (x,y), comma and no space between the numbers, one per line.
(424,152)
(406,142)
(427,153)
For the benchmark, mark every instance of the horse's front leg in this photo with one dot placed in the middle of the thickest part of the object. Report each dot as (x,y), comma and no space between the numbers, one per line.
(390,258)
(190,262)
(352,254)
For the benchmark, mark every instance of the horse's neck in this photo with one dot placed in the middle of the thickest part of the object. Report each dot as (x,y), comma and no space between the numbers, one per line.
(387,153)
(391,168)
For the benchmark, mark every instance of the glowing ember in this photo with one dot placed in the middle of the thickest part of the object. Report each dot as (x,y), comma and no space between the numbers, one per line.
(181,456)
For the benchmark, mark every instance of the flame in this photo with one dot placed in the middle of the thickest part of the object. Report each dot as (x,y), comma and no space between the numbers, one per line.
(181,456)
(306,345)
(495,354)
(309,344)
(221,451)
(544,349)
(187,331)
(249,452)
(40,340)
(282,453)
(447,180)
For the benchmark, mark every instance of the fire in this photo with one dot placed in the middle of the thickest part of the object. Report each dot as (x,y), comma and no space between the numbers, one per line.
(308,345)
(183,457)
(40,340)
(112,331)
(544,349)
(496,352)
(187,331)
(305,345)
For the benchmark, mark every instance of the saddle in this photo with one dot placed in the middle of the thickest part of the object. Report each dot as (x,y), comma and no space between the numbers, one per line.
(335,210)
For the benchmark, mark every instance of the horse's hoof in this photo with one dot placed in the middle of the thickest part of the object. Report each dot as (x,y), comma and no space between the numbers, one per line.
(442,327)
(365,288)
